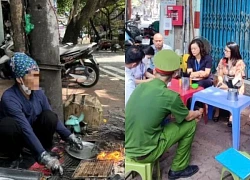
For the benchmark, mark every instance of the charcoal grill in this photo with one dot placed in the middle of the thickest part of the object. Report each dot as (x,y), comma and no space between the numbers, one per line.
(94,169)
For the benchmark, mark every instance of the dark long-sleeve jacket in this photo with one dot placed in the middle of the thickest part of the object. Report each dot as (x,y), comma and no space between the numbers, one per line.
(14,104)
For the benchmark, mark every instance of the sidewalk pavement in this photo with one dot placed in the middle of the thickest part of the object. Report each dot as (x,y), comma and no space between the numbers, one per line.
(110,91)
(210,139)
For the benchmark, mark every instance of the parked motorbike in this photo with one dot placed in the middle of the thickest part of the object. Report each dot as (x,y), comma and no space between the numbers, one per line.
(6,51)
(80,64)
(137,41)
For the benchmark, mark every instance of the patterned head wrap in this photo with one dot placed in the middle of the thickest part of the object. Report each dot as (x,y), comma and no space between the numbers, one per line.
(21,64)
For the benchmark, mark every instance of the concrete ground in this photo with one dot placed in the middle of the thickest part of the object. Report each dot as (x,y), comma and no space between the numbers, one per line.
(211,139)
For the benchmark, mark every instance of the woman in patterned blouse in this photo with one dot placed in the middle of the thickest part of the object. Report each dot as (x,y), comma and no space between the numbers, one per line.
(231,66)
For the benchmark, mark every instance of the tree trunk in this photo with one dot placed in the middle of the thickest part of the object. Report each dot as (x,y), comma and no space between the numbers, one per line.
(109,26)
(96,32)
(74,9)
(76,23)
(44,40)
(72,32)
(17,23)
(89,31)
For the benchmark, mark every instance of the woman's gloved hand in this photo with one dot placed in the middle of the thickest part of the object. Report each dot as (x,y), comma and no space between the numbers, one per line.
(75,142)
(51,163)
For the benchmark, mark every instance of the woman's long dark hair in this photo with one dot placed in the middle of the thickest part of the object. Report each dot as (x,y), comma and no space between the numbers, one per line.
(200,45)
(235,52)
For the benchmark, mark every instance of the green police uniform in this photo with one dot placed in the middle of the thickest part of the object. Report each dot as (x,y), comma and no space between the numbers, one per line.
(146,139)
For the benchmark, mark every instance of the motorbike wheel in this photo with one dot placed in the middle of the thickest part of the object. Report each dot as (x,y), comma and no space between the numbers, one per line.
(93,75)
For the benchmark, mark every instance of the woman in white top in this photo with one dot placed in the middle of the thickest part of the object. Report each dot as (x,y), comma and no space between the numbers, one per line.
(140,72)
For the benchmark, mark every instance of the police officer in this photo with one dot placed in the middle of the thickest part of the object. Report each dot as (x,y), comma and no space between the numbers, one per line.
(149,104)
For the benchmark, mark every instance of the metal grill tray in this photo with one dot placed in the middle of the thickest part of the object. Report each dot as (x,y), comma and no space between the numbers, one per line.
(93,169)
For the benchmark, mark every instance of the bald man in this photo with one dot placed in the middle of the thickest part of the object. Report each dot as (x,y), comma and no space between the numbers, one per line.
(157,46)
(158,43)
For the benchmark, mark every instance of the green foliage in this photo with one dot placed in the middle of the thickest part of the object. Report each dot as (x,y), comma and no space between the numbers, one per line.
(118,6)
(64,6)
(112,12)
(80,11)
(136,3)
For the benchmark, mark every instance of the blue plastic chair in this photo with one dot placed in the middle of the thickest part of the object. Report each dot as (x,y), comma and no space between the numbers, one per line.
(235,162)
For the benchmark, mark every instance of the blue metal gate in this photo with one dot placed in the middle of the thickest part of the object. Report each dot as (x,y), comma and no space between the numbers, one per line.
(223,21)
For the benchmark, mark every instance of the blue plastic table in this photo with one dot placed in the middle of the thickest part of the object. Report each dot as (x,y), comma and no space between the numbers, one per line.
(218,98)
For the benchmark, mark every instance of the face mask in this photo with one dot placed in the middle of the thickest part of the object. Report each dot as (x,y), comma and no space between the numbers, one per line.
(25,89)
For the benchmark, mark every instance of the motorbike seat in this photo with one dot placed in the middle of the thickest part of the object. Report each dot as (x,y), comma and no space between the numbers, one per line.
(67,49)
(4,59)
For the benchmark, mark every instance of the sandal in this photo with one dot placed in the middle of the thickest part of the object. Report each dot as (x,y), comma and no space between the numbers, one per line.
(216,119)
(229,124)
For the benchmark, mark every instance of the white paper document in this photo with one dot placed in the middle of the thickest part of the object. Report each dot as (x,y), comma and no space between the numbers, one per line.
(168,24)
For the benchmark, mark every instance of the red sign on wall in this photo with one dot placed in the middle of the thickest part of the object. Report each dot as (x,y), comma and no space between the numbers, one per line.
(176,13)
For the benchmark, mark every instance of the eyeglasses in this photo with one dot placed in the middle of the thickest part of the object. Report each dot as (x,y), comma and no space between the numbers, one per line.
(226,50)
